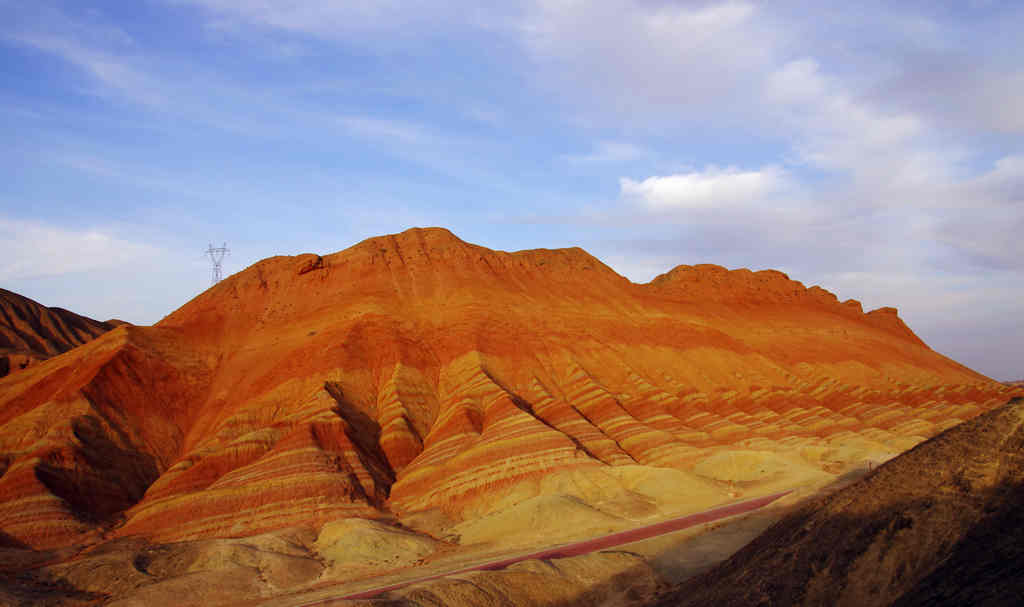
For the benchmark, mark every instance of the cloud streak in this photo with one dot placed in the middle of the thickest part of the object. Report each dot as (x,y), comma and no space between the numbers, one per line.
(608,152)
(32,249)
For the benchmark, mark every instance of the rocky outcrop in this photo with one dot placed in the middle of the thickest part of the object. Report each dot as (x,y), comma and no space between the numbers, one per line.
(30,332)
(417,373)
(938,525)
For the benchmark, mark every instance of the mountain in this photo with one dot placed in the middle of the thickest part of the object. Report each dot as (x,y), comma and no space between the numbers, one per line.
(416,375)
(31,332)
(938,525)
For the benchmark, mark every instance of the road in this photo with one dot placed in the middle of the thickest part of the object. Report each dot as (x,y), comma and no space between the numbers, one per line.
(584,547)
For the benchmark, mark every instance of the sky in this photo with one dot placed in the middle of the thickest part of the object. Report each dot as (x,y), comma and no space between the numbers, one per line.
(873,148)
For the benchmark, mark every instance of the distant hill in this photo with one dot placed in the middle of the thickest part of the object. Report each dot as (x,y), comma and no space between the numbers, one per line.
(31,332)
(939,525)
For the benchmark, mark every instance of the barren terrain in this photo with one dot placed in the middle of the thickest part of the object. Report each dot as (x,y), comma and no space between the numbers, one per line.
(416,401)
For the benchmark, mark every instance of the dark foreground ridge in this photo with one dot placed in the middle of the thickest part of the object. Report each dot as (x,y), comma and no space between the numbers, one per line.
(938,525)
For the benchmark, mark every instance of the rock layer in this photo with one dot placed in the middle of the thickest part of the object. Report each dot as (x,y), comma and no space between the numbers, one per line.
(416,371)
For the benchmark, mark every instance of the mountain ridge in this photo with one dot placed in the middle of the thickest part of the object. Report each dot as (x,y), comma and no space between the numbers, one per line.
(413,249)
(31,332)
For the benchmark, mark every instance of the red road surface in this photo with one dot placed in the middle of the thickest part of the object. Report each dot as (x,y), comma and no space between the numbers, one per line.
(584,547)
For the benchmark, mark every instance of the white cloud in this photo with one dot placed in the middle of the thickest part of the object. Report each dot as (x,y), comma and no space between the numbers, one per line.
(674,69)
(1001,102)
(983,218)
(30,249)
(797,81)
(866,184)
(1003,184)
(832,129)
(707,189)
(646,63)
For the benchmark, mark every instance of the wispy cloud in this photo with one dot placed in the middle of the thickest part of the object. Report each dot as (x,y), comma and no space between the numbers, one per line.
(33,249)
(327,19)
(107,69)
(608,152)
(399,131)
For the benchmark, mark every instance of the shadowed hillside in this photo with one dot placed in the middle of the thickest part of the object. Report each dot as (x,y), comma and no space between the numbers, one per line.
(939,525)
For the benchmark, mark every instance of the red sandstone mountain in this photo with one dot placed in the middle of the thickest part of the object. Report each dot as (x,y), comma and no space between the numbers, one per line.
(416,371)
(31,332)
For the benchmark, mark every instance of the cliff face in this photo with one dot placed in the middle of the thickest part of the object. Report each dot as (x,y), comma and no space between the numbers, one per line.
(938,525)
(31,332)
(416,372)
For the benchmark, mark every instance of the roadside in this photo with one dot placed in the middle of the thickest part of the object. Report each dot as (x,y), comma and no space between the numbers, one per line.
(579,548)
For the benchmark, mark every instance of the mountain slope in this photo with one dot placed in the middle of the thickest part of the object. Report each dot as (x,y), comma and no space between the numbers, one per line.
(30,332)
(416,372)
(938,525)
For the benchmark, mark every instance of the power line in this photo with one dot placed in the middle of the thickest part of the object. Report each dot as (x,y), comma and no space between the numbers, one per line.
(216,255)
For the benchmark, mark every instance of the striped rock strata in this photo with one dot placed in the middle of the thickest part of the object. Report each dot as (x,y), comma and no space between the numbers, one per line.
(31,332)
(416,371)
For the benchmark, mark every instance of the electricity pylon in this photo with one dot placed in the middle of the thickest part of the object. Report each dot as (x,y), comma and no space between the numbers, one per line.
(216,255)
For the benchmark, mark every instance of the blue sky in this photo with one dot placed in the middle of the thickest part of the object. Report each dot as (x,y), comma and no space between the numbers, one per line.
(875,149)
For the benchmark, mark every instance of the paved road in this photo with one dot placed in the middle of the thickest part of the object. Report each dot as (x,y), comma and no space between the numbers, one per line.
(586,546)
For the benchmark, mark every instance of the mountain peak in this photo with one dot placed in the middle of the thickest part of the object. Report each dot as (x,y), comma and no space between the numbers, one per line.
(419,266)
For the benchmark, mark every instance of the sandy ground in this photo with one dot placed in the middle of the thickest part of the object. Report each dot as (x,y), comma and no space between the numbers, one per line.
(295,567)
(673,557)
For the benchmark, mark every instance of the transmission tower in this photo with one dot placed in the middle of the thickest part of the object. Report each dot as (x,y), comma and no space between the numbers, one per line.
(216,255)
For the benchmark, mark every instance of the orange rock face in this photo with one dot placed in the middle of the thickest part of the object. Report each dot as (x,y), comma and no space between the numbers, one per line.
(416,371)
(31,332)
